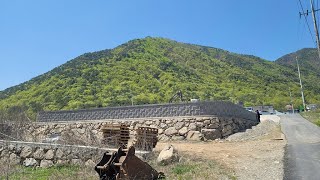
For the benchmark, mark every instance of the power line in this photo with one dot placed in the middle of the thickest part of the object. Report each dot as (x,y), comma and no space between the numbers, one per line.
(305,18)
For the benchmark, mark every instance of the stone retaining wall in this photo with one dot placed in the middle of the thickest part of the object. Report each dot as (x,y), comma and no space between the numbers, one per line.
(178,128)
(46,155)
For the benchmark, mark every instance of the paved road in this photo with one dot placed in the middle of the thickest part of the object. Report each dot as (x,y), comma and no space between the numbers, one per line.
(302,156)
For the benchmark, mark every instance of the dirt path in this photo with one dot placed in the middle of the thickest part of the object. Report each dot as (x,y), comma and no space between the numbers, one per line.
(259,158)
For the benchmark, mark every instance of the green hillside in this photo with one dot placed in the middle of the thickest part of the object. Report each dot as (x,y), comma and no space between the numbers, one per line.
(151,70)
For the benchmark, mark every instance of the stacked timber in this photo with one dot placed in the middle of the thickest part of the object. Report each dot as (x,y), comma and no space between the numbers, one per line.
(146,138)
(115,135)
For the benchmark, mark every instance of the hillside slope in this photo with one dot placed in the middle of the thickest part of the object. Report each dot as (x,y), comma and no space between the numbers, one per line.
(151,70)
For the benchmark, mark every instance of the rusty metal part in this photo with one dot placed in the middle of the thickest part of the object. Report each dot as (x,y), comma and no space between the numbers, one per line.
(123,164)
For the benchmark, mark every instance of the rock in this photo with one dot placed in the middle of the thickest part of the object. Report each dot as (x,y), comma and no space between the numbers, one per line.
(163,125)
(206,122)
(76,162)
(148,123)
(14,159)
(49,154)
(38,154)
(177,138)
(160,131)
(59,154)
(61,162)
(211,134)
(30,162)
(46,163)
(163,137)
(213,126)
(194,136)
(26,152)
(179,125)
(170,131)
(192,126)
(167,155)
(90,163)
(12,148)
(183,131)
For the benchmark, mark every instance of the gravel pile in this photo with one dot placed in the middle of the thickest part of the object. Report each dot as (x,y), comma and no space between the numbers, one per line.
(262,129)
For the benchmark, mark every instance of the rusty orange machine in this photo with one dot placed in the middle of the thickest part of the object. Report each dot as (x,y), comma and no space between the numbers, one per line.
(124,165)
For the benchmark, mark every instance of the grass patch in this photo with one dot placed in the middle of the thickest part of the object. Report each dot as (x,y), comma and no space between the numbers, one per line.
(53,173)
(193,167)
(312,116)
(183,168)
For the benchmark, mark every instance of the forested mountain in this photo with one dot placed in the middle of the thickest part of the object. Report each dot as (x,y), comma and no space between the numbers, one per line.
(151,70)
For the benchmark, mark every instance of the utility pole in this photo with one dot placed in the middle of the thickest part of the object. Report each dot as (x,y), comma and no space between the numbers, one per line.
(291,101)
(315,27)
(301,87)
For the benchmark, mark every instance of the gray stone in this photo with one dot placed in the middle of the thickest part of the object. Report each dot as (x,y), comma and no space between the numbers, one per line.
(90,163)
(170,131)
(163,125)
(14,159)
(11,148)
(183,131)
(177,138)
(46,163)
(148,123)
(211,134)
(62,162)
(167,155)
(38,154)
(213,126)
(192,126)
(26,152)
(49,154)
(179,125)
(76,162)
(59,154)
(206,122)
(30,162)
(194,136)
(163,137)
(160,131)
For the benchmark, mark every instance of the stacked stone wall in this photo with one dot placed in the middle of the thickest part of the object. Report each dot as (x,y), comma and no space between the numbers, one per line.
(47,155)
(178,128)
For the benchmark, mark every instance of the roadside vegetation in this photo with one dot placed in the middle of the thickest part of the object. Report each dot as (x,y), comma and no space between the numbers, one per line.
(312,116)
(53,173)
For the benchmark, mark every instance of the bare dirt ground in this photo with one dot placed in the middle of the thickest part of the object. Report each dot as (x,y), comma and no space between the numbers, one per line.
(255,154)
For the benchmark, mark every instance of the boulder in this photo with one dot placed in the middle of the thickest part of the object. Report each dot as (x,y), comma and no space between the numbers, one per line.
(62,162)
(76,162)
(167,155)
(46,163)
(38,154)
(194,136)
(171,131)
(14,159)
(183,131)
(211,134)
(30,162)
(192,126)
(163,137)
(90,163)
(49,154)
(179,125)
(26,152)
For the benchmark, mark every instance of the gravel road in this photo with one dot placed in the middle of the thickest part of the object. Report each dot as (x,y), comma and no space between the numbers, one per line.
(302,155)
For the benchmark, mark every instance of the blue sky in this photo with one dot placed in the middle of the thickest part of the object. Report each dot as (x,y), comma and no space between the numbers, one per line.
(38,35)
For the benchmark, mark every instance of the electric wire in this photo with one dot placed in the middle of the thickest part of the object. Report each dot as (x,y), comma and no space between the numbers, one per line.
(305,18)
